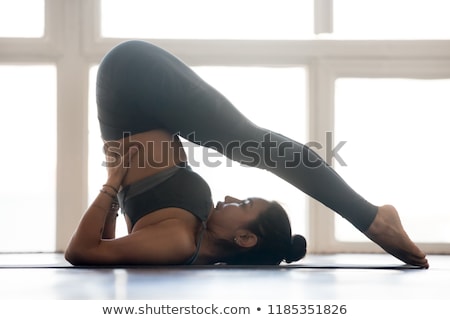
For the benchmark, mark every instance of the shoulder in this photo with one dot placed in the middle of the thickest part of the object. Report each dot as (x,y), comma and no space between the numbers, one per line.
(171,241)
(180,236)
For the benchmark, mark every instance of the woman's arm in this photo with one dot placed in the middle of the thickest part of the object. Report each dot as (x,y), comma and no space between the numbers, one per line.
(91,229)
(109,229)
(98,222)
(167,242)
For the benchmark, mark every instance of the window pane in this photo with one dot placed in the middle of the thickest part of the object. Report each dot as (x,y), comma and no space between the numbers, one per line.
(206,19)
(28,131)
(387,19)
(283,89)
(22,18)
(396,151)
(257,92)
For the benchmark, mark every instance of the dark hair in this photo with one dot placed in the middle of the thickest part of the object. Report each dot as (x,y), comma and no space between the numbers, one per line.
(275,240)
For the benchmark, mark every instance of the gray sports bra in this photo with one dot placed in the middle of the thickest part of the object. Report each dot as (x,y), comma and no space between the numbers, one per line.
(178,187)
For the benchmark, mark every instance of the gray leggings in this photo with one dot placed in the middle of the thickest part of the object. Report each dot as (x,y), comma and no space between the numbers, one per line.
(141,87)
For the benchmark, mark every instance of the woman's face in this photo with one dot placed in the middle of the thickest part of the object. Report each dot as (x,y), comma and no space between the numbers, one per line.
(233,213)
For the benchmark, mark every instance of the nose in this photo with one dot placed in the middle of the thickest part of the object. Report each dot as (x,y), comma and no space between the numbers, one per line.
(229,199)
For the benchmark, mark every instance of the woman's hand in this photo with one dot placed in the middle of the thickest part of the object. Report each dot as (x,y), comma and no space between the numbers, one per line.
(117,164)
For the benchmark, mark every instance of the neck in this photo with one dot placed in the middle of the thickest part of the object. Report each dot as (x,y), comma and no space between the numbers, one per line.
(210,252)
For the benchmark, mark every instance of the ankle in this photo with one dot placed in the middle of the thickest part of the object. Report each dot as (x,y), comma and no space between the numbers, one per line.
(383,220)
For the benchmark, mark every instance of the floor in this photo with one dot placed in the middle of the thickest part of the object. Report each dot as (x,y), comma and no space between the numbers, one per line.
(349,276)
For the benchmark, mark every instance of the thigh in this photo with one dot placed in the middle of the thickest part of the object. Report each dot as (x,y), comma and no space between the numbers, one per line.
(198,112)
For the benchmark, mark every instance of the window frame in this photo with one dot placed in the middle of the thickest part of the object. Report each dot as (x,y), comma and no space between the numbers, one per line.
(330,71)
(72,41)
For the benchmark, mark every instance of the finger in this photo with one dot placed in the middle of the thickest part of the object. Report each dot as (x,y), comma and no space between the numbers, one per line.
(131,153)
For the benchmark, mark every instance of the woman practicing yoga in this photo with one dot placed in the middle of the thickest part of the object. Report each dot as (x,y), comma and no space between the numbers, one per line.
(146,99)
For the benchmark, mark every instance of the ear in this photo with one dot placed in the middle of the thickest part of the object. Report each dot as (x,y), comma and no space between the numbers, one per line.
(245,238)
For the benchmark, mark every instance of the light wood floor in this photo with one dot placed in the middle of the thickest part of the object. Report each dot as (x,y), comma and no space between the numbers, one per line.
(48,276)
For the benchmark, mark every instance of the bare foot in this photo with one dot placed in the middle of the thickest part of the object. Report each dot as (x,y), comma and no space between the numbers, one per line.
(387,231)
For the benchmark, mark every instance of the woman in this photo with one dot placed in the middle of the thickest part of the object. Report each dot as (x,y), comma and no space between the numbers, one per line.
(145,94)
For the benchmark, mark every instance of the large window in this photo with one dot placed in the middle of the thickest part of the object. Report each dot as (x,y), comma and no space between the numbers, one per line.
(22,18)
(396,132)
(205,19)
(372,74)
(386,19)
(28,161)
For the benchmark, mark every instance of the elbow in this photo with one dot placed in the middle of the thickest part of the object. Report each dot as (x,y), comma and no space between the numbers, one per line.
(71,257)
(75,258)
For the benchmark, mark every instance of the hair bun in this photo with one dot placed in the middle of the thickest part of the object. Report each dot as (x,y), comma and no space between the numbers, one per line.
(297,250)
